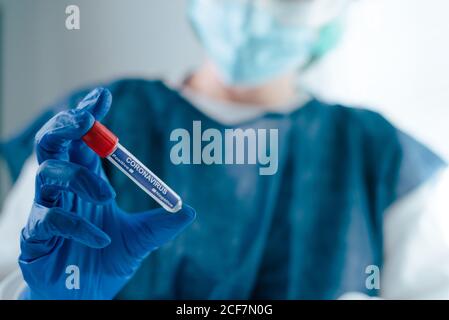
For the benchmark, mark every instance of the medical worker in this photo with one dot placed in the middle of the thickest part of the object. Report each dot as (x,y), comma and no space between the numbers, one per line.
(355,205)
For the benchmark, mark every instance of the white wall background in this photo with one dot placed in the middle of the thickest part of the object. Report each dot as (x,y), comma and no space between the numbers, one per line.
(394,57)
(43,61)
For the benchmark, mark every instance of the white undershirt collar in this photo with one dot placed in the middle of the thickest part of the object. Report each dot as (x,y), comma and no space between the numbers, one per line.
(231,113)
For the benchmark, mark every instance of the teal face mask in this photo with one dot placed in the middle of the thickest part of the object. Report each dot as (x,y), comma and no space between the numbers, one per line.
(249,45)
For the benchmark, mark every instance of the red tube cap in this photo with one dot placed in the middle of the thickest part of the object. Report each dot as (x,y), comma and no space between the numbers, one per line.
(100,140)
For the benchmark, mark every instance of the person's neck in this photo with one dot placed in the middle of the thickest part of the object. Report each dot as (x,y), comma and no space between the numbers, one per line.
(279,91)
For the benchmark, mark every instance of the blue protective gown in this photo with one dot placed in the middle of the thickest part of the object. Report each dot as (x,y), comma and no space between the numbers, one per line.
(308,231)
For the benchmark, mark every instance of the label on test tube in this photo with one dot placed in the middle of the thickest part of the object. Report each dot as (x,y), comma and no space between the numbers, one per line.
(106,145)
(146,179)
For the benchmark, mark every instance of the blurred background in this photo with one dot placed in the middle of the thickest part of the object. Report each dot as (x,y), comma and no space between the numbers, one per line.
(394,57)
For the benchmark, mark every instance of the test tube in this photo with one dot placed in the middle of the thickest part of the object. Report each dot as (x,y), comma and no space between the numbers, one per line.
(103,142)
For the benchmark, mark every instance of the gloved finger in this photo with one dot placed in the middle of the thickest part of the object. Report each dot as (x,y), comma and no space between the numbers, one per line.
(81,154)
(53,139)
(97,102)
(156,227)
(46,224)
(55,176)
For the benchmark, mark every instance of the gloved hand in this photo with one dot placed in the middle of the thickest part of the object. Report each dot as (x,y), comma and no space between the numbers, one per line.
(75,227)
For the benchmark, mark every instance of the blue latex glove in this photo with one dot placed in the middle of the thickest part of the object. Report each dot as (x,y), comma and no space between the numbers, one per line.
(75,223)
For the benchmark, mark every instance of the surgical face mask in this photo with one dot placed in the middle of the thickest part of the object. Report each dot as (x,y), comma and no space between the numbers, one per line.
(253,41)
